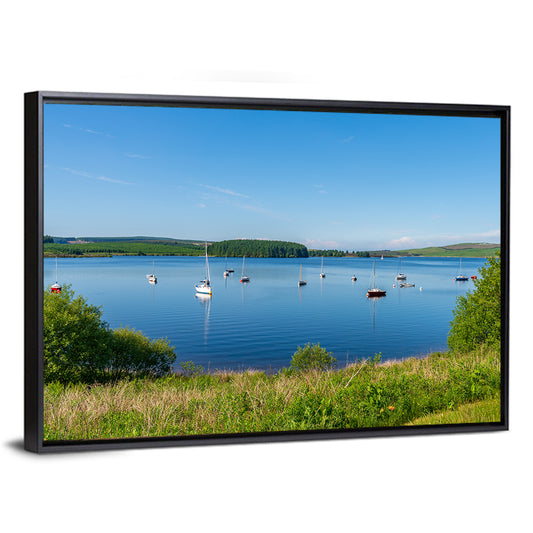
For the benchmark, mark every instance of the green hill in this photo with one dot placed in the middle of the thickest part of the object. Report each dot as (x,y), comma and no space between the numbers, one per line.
(467,249)
(108,246)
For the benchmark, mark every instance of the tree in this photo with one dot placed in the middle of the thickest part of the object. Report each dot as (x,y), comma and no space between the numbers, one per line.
(477,315)
(75,338)
(312,358)
(79,347)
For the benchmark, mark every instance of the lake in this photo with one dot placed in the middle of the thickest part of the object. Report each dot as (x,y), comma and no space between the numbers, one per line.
(260,324)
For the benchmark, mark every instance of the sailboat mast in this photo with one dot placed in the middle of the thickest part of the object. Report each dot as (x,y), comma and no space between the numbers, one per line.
(56,269)
(206,263)
(242,275)
(374,282)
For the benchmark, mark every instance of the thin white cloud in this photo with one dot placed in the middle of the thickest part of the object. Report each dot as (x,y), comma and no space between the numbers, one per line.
(403,242)
(224,191)
(137,156)
(263,211)
(321,187)
(348,139)
(87,130)
(95,177)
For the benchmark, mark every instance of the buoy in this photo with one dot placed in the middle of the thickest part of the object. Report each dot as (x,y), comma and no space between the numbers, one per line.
(394,285)
(420,288)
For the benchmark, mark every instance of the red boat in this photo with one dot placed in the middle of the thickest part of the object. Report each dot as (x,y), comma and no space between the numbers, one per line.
(374,292)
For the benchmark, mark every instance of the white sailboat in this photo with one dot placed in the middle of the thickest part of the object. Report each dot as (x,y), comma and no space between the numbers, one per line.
(204,287)
(322,275)
(56,287)
(301,281)
(244,279)
(152,277)
(400,276)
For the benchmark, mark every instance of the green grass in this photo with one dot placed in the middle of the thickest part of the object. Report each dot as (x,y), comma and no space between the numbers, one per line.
(363,395)
(481,412)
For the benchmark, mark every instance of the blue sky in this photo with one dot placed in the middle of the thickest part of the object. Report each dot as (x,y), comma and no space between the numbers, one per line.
(327,180)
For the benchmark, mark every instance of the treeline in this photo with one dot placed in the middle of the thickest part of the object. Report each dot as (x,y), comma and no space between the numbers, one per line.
(326,253)
(122,248)
(257,248)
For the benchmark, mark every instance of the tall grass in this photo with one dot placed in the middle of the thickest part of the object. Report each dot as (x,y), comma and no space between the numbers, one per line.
(365,394)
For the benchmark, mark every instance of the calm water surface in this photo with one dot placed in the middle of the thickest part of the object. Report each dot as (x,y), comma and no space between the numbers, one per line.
(260,324)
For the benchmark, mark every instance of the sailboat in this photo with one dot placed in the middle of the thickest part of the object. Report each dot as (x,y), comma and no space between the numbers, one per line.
(460,276)
(56,287)
(244,279)
(301,281)
(322,275)
(152,277)
(204,287)
(227,271)
(375,292)
(400,275)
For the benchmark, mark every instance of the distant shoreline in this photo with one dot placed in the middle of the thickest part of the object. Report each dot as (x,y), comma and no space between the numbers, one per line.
(348,256)
(262,248)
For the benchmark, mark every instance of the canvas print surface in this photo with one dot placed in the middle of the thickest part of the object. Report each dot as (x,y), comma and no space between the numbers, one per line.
(233,271)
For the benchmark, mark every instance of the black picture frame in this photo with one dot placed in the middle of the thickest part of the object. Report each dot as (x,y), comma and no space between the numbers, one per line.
(33,250)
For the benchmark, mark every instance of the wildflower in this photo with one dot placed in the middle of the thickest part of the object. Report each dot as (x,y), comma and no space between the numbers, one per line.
(391,407)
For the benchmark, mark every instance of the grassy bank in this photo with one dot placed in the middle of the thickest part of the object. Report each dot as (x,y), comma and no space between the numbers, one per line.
(368,394)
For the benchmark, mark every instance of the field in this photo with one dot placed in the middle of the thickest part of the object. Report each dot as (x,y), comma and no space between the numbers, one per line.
(437,389)
(454,250)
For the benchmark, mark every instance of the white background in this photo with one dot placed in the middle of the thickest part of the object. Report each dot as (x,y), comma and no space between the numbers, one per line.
(460,52)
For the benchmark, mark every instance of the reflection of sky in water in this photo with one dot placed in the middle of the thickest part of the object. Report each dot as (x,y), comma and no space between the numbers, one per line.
(260,324)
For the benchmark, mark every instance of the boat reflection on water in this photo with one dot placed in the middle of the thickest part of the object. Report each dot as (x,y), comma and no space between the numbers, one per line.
(374,303)
(205,302)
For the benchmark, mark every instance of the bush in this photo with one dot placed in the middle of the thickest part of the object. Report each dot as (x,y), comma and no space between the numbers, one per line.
(134,354)
(79,347)
(312,358)
(477,315)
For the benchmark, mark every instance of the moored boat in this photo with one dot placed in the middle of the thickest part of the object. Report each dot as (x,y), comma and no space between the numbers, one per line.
(152,277)
(56,287)
(375,292)
(204,287)
(244,279)
(301,281)
(460,276)
(400,276)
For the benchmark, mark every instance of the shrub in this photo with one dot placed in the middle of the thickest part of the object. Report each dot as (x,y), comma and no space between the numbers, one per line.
(477,315)
(75,338)
(312,358)
(79,347)
(132,353)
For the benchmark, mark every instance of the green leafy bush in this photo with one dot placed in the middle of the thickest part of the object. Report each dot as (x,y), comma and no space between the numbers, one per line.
(312,358)
(79,347)
(477,315)
(134,353)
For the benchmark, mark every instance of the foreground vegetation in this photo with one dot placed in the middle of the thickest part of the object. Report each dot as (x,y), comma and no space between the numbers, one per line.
(362,395)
